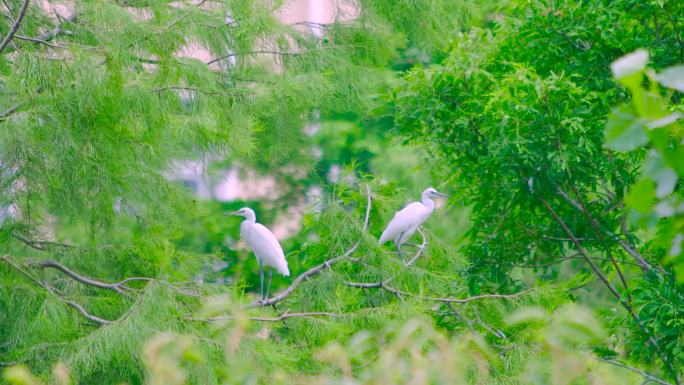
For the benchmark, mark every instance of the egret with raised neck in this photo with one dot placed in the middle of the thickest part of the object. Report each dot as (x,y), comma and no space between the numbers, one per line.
(264,245)
(407,220)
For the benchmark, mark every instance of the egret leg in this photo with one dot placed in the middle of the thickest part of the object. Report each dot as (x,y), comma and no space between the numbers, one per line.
(268,286)
(398,244)
(261,273)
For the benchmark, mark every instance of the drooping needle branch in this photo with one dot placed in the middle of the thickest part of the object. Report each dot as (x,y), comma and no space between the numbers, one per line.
(318,269)
(55,293)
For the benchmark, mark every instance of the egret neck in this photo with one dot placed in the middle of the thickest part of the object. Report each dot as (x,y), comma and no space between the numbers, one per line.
(428,202)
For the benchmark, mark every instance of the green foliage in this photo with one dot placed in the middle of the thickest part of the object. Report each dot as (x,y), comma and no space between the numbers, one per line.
(516,117)
(508,106)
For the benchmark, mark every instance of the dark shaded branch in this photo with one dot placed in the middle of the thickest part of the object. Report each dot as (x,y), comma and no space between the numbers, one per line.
(318,269)
(580,207)
(640,372)
(15,26)
(599,233)
(599,273)
(9,111)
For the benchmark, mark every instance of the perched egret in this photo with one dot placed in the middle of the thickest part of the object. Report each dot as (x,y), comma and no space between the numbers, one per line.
(406,221)
(264,245)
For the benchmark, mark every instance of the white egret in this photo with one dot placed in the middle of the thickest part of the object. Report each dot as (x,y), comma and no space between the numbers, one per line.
(264,245)
(406,221)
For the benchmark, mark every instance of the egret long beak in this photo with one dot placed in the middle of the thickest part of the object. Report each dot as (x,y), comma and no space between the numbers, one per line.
(439,194)
(232,213)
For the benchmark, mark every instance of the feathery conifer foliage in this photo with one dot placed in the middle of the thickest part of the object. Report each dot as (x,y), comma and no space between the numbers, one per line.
(112,272)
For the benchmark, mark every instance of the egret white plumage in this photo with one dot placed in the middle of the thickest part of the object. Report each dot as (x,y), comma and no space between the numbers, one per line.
(264,245)
(406,221)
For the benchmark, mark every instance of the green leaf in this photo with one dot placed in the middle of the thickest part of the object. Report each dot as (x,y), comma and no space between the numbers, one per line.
(624,130)
(675,158)
(641,196)
(664,176)
(672,77)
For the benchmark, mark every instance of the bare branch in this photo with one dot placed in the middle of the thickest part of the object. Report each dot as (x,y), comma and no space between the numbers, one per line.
(15,26)
(40,41)
(9,111)
(117,287)
(266,319)
(318,269)
(419,252)
(385,286)
(55,293)
(281,53)
(647,376)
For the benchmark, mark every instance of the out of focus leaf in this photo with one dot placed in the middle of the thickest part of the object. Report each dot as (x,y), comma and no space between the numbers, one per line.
(624,130)
(673,77)
(641,196)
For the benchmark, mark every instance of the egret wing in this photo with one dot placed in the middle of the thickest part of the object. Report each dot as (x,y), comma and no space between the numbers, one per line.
(267,248)
(403,220)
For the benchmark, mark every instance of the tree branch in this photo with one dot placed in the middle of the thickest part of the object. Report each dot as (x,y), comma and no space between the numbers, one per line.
(580,207)
(266,319)
(599,233)
(281,53)
(318,269)
(385,286)
(610,287)
(117,287)
(15,26)
(647,376)
(54,292)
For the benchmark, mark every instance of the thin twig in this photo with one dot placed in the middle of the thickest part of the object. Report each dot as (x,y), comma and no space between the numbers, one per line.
(385,286)
(318,269)
(15,26)
(266,319)
(40,41)
(419,252)
(281,53)
(647,376)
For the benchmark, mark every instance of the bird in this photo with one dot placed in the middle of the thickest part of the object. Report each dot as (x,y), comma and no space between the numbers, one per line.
(264,245)
(407,220)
